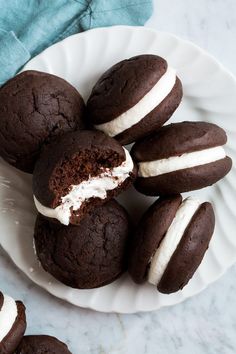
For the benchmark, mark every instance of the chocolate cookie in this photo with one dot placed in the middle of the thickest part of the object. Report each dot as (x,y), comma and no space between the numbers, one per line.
(78,171)
(12,323)
(34,108)
(134,98)
(181,157)
(41,344)
(89,255)
(170,242)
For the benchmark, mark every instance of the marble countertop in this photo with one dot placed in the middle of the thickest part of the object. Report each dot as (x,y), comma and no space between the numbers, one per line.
(205,324)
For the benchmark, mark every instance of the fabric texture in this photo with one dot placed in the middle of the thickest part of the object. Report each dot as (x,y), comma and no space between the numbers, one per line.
(29,26)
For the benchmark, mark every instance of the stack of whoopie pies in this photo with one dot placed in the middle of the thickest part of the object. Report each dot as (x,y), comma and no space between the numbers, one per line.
(12,330)
(83,236)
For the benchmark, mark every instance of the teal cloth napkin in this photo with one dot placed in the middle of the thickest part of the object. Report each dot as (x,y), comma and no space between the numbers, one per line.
(29,26)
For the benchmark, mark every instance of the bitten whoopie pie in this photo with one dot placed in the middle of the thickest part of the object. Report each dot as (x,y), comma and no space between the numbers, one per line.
(170,242)
(78,171)
(34,108)
(88,255)
(181,157)
(134,98)
(12,323)
(41,344)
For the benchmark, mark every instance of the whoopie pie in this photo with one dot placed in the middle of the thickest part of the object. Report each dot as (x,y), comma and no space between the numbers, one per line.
(12,323)
(78,171)
(88,255)
(34,108)
(181,157)
(170,242)
(134,98)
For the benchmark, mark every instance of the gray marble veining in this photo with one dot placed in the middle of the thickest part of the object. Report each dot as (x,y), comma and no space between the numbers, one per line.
(209,23)
(205,324)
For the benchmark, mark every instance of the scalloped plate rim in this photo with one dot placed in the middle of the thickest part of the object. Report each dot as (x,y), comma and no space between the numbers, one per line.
(96,306)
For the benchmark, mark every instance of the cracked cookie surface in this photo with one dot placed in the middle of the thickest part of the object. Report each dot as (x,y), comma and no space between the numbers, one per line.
(89,255)
(41,344)
(34,108)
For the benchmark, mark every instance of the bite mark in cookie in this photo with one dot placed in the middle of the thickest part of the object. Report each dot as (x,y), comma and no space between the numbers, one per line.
(78,172)
(94,187)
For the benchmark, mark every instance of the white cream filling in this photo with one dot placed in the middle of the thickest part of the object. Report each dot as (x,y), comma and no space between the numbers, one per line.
(171,240)
(175,163)
(151,100)
(94,187)
(8,315)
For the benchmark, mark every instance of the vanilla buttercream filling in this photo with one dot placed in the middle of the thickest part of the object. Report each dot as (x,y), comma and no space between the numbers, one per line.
(94,187)
(8,315)
(172,239)
(175,163)
(150,101)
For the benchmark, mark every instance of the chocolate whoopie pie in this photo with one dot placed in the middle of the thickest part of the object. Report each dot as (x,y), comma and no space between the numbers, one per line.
(170,242)
(78,171)
(34,108)
(181,157)
(41,344)
(12,323)
(88,255)
(134,98)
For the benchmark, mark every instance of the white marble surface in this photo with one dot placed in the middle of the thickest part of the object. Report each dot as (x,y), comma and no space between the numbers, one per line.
(205,324)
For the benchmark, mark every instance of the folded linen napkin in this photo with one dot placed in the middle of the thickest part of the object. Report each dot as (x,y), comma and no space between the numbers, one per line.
(29,26)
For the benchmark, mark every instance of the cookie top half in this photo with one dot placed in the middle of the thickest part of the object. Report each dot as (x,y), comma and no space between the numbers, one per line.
(134,98)
(41,344)
(90,254)
(177,139)
(34,108)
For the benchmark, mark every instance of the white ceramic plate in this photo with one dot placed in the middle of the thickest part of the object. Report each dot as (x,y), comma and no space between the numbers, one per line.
(209,94)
